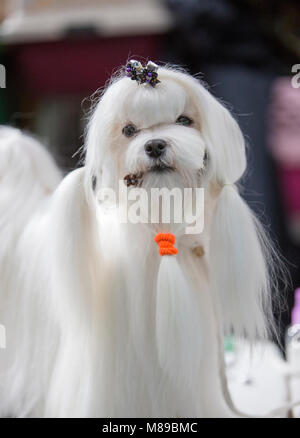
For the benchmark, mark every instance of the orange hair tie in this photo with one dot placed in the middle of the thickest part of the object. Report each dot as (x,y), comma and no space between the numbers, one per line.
(165,242)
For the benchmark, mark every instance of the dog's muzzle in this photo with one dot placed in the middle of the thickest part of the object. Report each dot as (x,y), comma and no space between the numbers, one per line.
(156,148)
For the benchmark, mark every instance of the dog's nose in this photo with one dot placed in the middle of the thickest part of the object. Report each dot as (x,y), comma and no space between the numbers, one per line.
(155,148)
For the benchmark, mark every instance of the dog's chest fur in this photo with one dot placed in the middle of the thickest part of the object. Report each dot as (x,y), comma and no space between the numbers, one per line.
(138,384)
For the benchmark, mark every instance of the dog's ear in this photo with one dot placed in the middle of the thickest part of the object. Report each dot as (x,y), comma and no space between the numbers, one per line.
(241,262)
(78,285)
(241,258)
(223,137)
(74,255)
(100,133)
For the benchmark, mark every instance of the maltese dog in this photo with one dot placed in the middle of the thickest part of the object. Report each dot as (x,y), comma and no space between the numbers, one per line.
(106,317)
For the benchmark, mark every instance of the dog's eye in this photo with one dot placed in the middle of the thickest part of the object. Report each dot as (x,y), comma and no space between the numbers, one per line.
(184,120)
(129,130)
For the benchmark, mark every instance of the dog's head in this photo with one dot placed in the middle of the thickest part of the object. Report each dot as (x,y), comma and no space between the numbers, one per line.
(176,131)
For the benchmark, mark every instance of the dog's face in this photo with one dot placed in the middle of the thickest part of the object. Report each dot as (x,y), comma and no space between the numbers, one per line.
(152,135)
(175,134)
(158,136)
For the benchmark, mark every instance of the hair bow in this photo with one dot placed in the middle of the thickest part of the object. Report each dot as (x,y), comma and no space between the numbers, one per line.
(148,74)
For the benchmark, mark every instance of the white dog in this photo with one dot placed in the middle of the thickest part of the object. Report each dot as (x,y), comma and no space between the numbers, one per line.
(97,323)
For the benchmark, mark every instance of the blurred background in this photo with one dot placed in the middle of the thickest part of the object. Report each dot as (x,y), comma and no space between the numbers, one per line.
(56,53)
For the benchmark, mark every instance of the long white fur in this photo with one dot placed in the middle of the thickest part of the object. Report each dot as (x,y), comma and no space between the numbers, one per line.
(97,324)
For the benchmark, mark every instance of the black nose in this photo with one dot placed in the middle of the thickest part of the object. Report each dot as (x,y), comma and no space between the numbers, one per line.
(155,148)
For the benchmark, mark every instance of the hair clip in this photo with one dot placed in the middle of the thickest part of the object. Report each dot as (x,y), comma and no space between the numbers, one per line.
(148,74)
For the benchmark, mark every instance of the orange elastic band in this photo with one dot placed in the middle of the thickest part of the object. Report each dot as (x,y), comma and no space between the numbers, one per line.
(165,242)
